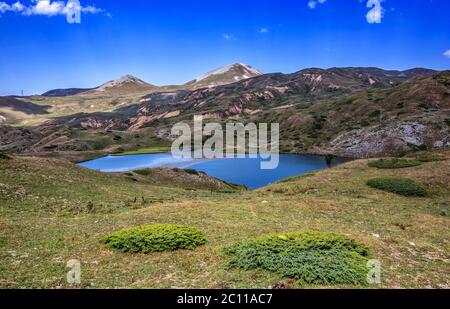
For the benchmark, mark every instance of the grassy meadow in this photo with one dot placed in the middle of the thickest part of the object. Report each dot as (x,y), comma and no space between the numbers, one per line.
(52,211)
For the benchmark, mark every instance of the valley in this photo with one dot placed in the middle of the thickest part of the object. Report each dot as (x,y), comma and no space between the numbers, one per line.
(394,212)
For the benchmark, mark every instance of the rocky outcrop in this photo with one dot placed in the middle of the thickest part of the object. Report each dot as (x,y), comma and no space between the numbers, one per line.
(389,141)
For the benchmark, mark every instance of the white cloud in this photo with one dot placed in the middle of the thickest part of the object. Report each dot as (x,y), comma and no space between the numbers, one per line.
(447,53)
(229,37)
(376,13)
(16,7)
(313,3)
(263,30)
(374,16)
(48,8)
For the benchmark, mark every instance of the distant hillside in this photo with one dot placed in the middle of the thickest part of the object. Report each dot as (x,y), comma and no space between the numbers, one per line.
(65,92)
(123,85)
(130,84)
(269,91)
(12,108)
(22,106)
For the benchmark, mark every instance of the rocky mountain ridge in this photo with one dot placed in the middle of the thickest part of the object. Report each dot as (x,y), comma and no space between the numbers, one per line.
(356,112)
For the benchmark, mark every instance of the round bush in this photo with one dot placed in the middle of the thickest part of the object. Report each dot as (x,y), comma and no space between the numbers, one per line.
(311,258)
(155,238)
(401,186)
(394,163)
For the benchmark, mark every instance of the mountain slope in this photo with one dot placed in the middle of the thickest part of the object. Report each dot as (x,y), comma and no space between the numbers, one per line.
(268,91)
(414,115)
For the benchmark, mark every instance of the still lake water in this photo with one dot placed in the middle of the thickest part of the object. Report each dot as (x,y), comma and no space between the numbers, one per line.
(243,171)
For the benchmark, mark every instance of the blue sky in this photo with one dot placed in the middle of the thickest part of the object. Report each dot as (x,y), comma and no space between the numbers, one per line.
(173,41)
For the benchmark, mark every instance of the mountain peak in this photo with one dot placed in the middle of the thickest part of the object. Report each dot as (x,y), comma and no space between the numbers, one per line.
(234,68)
(227,74)
(126,80)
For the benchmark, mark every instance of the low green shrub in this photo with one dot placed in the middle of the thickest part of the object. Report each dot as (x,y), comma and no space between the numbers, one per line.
(401,186)
(375,113)
(191,171)
(155,238)
(393,163)
(309,258)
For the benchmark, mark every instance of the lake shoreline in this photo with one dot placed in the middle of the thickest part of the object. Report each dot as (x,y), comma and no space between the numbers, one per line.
(241,170)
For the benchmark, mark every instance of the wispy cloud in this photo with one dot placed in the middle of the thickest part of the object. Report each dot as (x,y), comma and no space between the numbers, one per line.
(48,8)
(263,30)
(313,3)
(376,13)
(447,53)
(229,37)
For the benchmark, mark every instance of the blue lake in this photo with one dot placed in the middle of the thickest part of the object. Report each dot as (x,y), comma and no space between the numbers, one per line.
(245,171)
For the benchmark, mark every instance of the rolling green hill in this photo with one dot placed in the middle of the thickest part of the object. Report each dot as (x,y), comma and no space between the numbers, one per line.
(52,211)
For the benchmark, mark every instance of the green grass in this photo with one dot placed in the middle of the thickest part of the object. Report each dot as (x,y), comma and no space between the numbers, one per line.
(401,186)
(155,238)
(145,172)
(394,163)
(45,222)
(429,158)
(147,150)
(294,178)
(310,258)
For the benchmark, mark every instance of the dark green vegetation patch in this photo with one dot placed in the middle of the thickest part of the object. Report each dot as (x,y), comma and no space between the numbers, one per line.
(394,163)
(145,172)
(4,156)
(191,171)
(155,238)
(401,186)
(309,258)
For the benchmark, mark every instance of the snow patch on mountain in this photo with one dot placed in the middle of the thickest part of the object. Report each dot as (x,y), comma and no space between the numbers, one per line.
(127,79)
(246,69)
